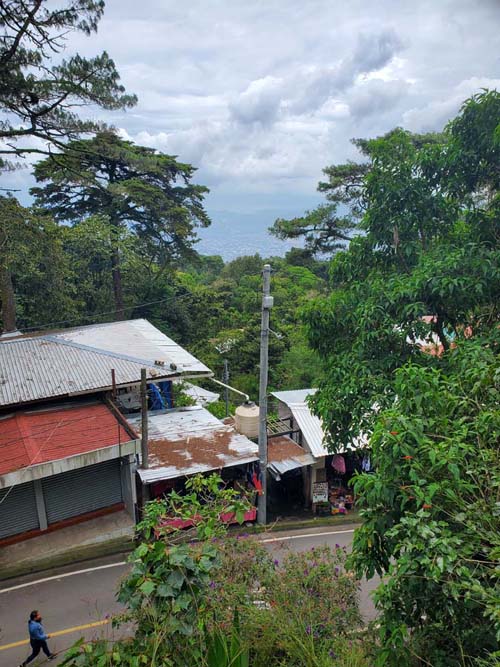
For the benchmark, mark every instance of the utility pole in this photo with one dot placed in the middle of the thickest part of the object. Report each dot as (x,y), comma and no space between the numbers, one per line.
(225,379)
(144,419)
(267,304)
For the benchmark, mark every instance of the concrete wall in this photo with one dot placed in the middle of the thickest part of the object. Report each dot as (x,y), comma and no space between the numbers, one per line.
(128,484)
(70,463)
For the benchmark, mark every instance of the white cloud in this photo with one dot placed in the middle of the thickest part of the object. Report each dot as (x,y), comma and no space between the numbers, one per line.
(434,114)
(261,95)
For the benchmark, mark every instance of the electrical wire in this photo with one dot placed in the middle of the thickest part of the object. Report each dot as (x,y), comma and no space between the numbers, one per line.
(43,431)
(181,299)
(4,498)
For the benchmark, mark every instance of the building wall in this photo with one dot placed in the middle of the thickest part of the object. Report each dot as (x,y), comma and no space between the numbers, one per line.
(69,463)
(36,505)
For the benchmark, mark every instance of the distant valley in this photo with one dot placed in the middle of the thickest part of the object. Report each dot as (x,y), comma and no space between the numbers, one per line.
(234,234)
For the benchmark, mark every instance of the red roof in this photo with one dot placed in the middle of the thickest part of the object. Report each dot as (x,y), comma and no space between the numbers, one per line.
(30,438)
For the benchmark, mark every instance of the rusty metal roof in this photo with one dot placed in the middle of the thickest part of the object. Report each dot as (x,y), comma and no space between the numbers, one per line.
(284,454)
(189,441)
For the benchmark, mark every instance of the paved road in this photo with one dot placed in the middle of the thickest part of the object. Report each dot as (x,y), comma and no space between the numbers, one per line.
(72,598)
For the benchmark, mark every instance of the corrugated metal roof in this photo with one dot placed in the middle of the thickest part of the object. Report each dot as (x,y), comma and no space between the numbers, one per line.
(311,427)
(294,395)
(189,441)
(200,395)
(284,455)
(31,438)
(309,424)
(32,369)
(138,338)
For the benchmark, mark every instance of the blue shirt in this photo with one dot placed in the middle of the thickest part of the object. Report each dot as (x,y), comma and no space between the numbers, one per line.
(36,631)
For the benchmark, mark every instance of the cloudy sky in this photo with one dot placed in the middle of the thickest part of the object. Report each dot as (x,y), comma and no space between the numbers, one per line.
(260,95)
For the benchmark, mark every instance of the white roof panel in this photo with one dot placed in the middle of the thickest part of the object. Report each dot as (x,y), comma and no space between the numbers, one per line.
(294,395)
(200,395)
(311,427)
(138,338)
(309,424)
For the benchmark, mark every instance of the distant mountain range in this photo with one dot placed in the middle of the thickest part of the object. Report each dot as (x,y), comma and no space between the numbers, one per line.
(234,234)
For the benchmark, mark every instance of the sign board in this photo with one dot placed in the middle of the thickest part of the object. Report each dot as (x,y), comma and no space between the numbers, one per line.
(320,492)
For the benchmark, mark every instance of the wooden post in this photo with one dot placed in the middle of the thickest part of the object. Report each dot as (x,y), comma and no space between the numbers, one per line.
(144,415)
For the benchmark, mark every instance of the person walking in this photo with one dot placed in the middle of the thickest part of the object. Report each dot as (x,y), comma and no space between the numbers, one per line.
(38,638)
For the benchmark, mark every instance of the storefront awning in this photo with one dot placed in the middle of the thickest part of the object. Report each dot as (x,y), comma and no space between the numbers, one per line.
(284,454)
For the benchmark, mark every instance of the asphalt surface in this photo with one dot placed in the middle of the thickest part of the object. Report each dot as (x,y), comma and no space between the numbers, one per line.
(75,599)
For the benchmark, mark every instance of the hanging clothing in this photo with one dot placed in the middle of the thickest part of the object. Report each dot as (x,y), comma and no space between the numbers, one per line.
(338,464)
(157,402)
(365,464)
(257,483)
(166,391)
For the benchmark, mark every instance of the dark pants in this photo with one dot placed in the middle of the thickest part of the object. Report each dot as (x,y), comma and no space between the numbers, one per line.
(37,645)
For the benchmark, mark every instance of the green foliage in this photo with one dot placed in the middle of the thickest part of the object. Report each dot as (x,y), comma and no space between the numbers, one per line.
(409,338)
(132,188)
(431,510)
(424,251)
(330,226)
(218,409)
(225,649)
(38,97)
(323,229)
(33,265)
(300,611)
(226,602)
(167,590)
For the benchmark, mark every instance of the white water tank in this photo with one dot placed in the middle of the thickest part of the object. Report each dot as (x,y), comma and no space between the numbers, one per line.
(246,420)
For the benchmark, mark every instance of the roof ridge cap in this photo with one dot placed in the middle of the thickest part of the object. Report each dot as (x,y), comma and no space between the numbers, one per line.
(97,350)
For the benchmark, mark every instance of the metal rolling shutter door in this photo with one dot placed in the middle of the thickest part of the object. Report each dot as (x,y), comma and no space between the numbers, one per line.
(84,490)
(18,510)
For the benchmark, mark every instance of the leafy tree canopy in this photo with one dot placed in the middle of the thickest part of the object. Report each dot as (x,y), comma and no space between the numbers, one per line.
(130,186)
(424,251)
(430,511)
(331,226)
(409,340)
(34,269)
(39,90)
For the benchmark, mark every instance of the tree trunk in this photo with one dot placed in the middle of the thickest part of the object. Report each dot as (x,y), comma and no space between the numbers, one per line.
(117,284)
(7,297)
(438,328)
(115,263)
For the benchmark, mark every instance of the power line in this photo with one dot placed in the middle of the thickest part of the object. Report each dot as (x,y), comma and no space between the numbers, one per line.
(53,430)
(180,299)
(40,432)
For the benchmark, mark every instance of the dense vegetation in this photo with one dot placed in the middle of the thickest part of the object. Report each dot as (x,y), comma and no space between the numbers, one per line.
(409,338)
(220,601)
(62,276)
(401,329)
